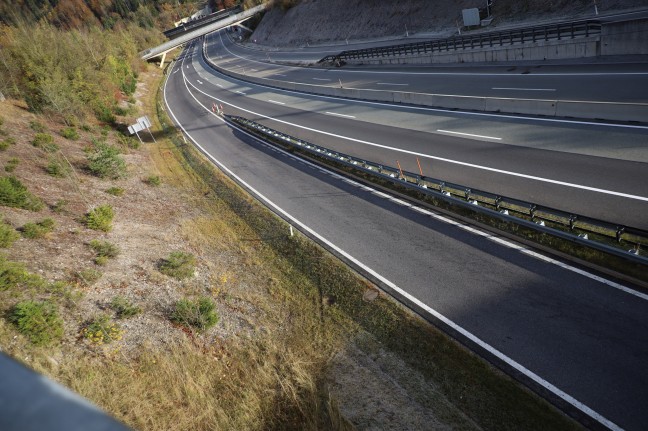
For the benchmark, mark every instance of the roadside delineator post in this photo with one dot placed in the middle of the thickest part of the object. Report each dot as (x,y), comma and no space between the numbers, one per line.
(419,165)
(400,169)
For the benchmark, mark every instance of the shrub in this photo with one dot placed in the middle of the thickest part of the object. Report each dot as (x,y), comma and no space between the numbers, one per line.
(14,194)
(69,133)
(100,218)
(39,229)
(6,143)
(124,308)
(59,206)
(178,265)
(105,250)
(128,142)
(45,142)
(153,180)
(37,127)
(200,313)
(105,162)
(57,168)
(11,164)
(102,330)
(8,235)
(115,191)
(38,320)
(88,277)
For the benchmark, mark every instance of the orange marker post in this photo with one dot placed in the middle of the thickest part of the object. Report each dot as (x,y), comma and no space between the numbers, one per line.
(400,169)
(419,165)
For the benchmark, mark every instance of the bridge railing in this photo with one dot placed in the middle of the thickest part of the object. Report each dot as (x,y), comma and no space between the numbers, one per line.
(192,25)
(615,239)
(559,31)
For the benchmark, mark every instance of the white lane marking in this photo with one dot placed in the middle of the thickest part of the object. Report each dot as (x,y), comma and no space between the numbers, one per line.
(382,72)
(239,92)
(523,89)
(279,74)
(321,79)
(512,363)
(449,111)
(274,101)
(469,134)
(339,115)
(442,159)
(390,83)
(199,81)
(176,71)
(219,85)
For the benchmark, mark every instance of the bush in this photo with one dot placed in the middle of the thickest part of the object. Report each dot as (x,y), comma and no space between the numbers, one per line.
(39,321)
(102,330)
(153,180)
(115,191)
(38,230)
(57,168)
(14,275)
(124,308)
(69,133)
(8,235)
(6,143)
(88,277)
(11,164)
(178,265)
(45,142)
(14,194)
(105,162)
(37,127)
(100,218)
(59,206)
(105,250)
(200,313)
(128,142)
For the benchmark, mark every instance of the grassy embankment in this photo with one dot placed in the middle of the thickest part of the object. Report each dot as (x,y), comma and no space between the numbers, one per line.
(283,306)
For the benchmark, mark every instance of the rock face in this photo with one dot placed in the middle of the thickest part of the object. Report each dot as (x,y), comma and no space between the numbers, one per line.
(316,21)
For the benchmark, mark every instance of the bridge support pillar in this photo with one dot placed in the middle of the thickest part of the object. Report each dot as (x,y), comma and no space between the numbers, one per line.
(162,61)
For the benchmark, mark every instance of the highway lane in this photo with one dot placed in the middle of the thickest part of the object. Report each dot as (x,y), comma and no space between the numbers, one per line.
(627,82)
(445,155)
(582,335)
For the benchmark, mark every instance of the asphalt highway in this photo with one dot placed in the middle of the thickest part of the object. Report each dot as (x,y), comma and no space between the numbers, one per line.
(580,336)
(586,168)
(583,81)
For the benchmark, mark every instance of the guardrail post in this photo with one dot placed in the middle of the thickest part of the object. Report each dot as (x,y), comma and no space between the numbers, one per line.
(532,210)
(572,221)
(619,232)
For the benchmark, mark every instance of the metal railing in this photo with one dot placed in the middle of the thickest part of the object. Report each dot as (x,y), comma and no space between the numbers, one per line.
(192,25)
(571,30)
(619,240)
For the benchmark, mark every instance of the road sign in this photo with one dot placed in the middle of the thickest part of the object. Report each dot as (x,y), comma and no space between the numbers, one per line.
(137,127)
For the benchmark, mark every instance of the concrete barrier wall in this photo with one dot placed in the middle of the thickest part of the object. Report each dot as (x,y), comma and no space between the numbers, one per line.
(544,50)
(628,37)
(636,112)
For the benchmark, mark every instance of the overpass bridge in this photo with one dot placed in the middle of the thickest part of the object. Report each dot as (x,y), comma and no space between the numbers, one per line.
(162,50)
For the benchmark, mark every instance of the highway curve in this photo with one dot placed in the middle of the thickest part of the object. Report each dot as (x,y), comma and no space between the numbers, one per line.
(578,335)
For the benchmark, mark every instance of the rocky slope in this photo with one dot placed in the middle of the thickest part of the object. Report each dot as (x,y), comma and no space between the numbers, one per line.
(316,21)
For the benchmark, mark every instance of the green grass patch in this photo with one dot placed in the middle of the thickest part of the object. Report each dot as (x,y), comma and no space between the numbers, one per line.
(45,142)
(102,330)
(105,251)
(57,168)
(14,194)
(124,308)
(87,277)
(37,127)
(200,314)
(6,143)
(38,320)
(178,265)
(115,191)
(38,229)
(104,161)
(100,218)
(153,180)
(69,133)
(11,165)
(8,235)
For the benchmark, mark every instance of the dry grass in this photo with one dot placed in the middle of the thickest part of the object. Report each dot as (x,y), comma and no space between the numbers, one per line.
(286,306)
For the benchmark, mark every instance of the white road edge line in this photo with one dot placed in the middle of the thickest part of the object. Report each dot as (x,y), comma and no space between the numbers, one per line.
(524,89)
(468,134)
(528,373)
(425,108)
(321,79)
(442,159)
(339,115)
(390,83)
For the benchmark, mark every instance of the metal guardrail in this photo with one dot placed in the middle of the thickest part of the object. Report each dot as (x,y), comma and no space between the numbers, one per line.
(572,30)
(192,25)
(544,219)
